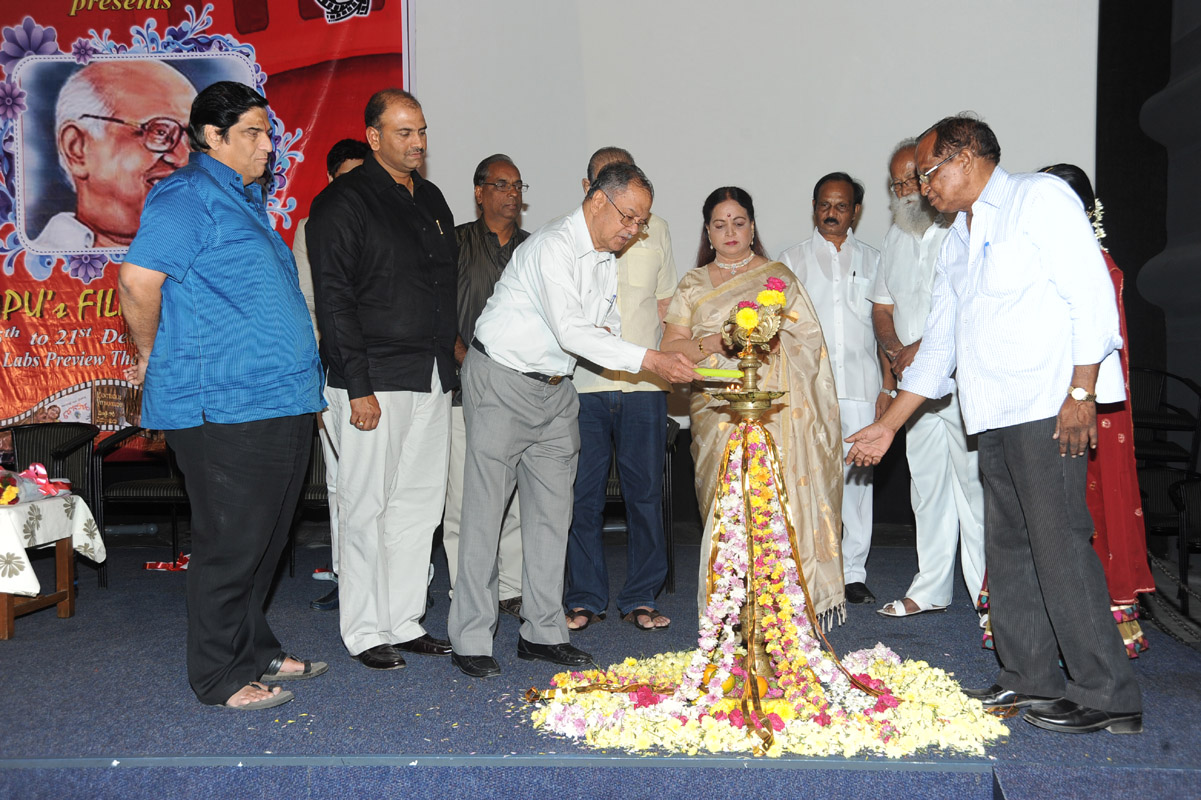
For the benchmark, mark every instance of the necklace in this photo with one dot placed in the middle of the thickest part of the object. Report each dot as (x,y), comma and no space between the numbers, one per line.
(737,266)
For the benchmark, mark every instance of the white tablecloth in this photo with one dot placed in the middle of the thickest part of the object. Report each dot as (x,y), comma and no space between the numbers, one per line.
(41,523)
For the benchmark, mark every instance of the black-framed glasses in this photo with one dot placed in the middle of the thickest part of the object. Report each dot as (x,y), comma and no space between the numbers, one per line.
(897,186)
(159,134)
(626,220)
(924,177)
(504,186)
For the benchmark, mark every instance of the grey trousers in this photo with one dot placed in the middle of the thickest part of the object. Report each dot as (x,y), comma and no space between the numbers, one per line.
(1047,594)
(523,432)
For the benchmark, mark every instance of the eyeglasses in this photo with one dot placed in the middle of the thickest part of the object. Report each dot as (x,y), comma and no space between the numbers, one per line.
(159,135)
(897,186)
(504,186)
(924,177)
(626,220)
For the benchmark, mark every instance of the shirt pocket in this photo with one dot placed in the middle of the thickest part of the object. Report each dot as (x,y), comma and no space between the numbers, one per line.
(858,288)
(1008,268)
(642,267)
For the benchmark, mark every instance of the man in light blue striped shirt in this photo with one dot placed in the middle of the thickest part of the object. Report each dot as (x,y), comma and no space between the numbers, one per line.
(229,364)
(1023,308)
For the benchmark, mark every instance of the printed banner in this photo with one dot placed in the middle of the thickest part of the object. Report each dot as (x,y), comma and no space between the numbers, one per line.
(94,104)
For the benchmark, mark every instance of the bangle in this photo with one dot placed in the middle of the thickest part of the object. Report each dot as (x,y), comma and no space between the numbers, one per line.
(700,345)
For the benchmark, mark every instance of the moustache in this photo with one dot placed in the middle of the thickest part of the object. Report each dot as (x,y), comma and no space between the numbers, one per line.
(830,221)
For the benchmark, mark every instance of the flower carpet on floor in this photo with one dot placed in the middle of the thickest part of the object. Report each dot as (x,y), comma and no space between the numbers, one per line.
(783,694)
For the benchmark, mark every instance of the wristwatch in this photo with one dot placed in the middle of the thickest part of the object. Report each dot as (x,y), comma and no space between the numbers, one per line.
(1083,395)
(890,392)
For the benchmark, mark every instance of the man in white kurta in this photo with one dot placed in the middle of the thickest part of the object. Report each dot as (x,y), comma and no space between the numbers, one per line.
(838,271)
(948,499)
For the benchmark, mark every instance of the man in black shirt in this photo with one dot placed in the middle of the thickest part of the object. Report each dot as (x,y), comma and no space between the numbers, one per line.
(485,247)
(384,256)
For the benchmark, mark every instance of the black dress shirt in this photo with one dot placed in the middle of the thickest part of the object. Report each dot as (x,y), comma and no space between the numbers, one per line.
(385,266)
(481,259)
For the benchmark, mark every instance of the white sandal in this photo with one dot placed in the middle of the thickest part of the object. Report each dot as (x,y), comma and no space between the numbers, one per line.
(896,608)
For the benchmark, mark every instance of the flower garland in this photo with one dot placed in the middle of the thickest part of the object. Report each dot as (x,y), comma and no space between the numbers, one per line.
(710,699)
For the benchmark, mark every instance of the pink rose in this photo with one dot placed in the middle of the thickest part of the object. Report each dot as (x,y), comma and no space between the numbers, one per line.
(775,284)
(747,304)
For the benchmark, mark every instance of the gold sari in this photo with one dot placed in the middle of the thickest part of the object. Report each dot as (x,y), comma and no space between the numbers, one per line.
(804,423)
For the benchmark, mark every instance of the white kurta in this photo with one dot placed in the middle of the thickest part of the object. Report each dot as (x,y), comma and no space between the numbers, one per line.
(945,488)
(839,282)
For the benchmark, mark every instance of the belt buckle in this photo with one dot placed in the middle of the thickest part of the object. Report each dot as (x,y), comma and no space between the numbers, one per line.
(554,381)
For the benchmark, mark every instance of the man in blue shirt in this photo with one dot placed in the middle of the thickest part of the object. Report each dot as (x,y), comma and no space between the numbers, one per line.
(229,367)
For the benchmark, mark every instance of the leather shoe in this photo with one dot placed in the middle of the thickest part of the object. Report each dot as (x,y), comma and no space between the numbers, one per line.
(511,606)
(996,697)
(327,603)
(382,656)
(563,654)
(476,666)
(425,645)
(859,593)
(1068,717)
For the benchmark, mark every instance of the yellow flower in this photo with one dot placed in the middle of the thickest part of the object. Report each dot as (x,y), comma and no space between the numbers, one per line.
(10,496)
(771,297)
(747,319)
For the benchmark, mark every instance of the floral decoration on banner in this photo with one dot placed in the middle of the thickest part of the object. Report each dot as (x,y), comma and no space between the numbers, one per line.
(710,699)
(190,36)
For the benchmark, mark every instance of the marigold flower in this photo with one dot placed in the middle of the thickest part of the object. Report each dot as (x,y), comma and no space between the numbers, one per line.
(747,319)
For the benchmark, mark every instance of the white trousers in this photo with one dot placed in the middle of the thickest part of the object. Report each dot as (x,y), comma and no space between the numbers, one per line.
(948,502)
(391,486)
(856,495)
(331,483)
(509,553)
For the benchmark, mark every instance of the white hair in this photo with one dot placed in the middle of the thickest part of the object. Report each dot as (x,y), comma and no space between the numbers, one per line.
(905,144)
(78,97)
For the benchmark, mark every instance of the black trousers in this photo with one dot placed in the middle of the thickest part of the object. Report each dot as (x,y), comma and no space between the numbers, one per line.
(1047,593)
(243,482)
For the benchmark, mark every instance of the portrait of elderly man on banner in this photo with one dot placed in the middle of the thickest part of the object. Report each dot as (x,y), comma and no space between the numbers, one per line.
(95,138)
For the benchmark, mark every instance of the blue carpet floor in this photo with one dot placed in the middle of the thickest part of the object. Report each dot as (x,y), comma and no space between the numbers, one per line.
(83,698)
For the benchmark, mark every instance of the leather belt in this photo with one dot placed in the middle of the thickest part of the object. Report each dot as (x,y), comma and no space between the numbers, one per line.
(553,380)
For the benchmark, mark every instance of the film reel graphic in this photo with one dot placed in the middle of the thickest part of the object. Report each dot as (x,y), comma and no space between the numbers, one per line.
(108,403)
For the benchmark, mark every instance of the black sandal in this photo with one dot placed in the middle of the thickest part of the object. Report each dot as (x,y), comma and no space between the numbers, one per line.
(589,618)
(644,619)
(311,669)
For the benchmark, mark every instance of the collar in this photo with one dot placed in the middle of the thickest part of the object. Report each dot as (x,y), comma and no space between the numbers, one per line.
(581,239)
(222,174)
(992,195)
(487,233)
(381,180)
(851,243)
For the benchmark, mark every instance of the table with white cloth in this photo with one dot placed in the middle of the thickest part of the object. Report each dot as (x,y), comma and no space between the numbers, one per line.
(64,521)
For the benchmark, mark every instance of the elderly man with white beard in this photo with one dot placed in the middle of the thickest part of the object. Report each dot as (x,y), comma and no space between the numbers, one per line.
(948,499)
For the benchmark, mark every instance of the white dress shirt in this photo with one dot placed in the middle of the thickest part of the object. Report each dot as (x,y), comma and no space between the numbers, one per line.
(646,274)
(1017,302)
(64,232)
(553,302)
(906,278)
(838,283)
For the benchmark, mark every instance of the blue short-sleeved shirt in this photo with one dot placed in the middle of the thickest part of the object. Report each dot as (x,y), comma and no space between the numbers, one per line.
(234,341)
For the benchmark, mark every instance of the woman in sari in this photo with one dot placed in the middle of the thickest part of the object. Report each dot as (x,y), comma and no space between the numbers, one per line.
(732,266)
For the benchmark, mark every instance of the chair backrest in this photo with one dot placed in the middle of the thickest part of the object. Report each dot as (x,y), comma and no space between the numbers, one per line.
(314,492)
(1154,484)
(65,448)
(1186,495)
(1146,389)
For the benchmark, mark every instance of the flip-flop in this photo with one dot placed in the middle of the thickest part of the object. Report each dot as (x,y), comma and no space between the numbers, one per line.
(311,669)
(896,608)
(638,615)
(590,617)
(274,700)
